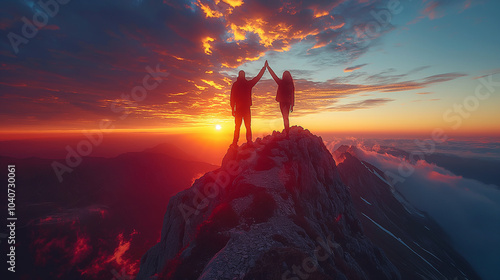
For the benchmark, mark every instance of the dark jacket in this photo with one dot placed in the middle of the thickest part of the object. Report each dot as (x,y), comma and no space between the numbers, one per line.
(241,94)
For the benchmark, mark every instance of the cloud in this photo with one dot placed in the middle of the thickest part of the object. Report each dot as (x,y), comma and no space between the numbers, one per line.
(368,103)
(120,258)
(468,210)
(353,68)
(488,73)
(313,97)
(67,241)
(436,8)
(69,74)
(73,71)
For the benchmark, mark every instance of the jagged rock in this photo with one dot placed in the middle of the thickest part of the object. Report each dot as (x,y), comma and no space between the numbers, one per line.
(276,209)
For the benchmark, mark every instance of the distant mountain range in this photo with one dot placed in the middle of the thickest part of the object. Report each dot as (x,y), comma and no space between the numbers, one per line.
(101,218)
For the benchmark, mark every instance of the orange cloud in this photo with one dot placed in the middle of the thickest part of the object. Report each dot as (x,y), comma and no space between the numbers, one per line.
(320,13)
(444,178)
(246,23)
(233,3)
(212,83)
(206,44)
(208,11)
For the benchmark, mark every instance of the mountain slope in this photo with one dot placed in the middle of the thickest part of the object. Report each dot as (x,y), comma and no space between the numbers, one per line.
(411,239)
(274,210)
(173,151)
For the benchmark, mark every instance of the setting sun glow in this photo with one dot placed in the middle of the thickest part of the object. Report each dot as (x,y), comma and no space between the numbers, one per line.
(218,127)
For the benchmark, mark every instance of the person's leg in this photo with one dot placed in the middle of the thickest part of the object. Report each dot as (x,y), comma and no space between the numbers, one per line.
(285,111)
(237,125)
(248,124)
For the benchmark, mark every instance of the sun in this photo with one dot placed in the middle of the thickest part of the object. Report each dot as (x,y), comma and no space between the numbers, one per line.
(218,127)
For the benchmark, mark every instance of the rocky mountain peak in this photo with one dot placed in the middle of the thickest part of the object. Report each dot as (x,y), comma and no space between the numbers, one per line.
(276,209)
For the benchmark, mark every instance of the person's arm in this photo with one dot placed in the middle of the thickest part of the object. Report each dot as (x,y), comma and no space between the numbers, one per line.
(232,101)
(276,79)
(257,78)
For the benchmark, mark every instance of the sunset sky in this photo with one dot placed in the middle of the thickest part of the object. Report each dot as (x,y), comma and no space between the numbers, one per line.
(364,66)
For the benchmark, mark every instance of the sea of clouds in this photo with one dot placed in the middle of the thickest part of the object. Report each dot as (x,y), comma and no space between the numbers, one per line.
(468,210)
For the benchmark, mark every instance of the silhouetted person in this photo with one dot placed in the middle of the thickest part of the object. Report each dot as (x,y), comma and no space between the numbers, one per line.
(285,95)
(241,100)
